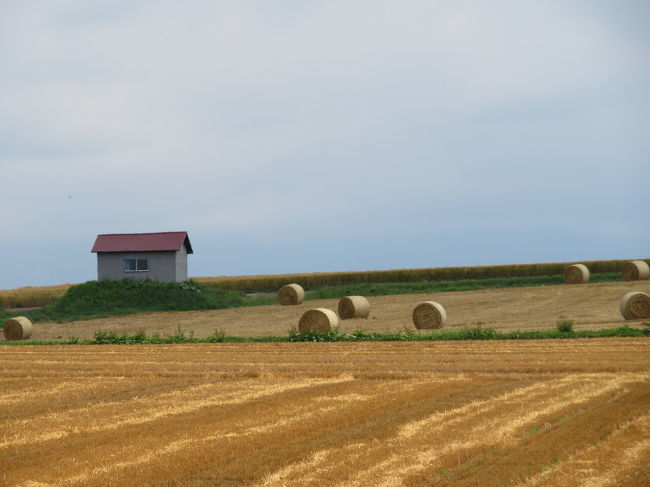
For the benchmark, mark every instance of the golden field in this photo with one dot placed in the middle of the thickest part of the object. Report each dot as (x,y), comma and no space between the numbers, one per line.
(590,306)
(492,413)
(31,296)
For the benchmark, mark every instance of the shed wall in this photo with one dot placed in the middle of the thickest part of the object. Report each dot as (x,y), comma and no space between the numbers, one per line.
(162,266)
(181,264)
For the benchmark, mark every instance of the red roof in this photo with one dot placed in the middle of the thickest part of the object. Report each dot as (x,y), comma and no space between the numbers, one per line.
(142,242)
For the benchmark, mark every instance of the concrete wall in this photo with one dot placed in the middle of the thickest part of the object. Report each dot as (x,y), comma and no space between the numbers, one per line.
(163,266)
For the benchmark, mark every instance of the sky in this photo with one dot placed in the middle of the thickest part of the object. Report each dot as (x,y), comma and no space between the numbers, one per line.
(323,135)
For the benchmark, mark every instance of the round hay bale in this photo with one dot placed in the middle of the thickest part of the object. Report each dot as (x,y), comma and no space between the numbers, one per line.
(353,307)
(636,270)
(291,294)
(635,306)
(317,319)
(18,328)
(429,315)
(576,274)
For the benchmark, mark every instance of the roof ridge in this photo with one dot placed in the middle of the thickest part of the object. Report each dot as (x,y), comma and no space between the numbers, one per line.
(143,233)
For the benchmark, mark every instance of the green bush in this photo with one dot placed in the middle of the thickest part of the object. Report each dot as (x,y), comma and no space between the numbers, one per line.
(565,326)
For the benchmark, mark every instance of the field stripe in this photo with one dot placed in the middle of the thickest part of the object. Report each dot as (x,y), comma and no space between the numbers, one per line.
(173,404)
(330,459)
(412,441)
(282,419)
(499,429)
(624,450)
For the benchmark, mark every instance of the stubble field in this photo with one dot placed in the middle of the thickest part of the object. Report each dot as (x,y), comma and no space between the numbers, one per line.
(494,413)
(591,306)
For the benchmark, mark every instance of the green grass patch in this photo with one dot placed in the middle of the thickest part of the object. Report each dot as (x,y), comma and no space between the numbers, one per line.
(335,335)
(423,287)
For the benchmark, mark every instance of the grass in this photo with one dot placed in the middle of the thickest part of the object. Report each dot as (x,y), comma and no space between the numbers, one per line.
(425,287)
(422,287)
(335,335)
(466,334)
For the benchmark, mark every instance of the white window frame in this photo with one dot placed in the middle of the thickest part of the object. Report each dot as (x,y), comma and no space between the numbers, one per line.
(137,261)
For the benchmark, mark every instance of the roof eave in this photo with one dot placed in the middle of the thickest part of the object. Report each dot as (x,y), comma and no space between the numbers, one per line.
(188,245)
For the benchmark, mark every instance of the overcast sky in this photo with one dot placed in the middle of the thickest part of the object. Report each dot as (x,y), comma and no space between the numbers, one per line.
(324,135)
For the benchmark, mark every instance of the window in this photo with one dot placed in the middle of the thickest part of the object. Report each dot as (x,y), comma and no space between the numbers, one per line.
(136,265)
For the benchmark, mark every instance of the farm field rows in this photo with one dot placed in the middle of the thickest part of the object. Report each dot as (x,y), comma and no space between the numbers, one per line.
(522,413)
(591,306)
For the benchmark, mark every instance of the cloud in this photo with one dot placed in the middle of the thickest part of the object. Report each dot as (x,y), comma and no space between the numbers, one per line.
(269,122)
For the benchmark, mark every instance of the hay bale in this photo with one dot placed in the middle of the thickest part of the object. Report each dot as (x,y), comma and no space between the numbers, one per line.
(318,319)
(429,315)
(636,270)
(291,294)
(576,274)
(18,328)
(353,307)
(635,306)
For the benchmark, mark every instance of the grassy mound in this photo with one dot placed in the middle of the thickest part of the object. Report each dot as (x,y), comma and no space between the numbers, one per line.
(102,298)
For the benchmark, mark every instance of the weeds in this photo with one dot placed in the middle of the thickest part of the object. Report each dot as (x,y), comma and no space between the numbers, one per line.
(219,336)
(333,335)
(336,335)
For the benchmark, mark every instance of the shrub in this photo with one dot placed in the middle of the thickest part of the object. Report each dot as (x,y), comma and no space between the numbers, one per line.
(565,326)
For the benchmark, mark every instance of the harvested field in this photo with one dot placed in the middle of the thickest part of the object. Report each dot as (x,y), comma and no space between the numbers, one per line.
(591,305)
(528,413)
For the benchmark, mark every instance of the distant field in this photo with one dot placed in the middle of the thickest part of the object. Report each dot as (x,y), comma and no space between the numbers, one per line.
(269,283)
(591,306)
(525,414)
(26,297)
(30,296)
